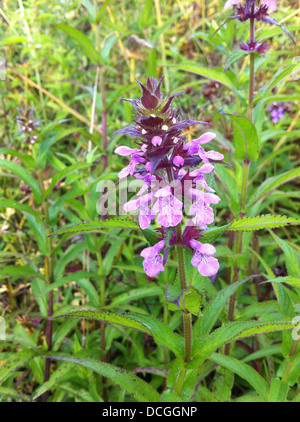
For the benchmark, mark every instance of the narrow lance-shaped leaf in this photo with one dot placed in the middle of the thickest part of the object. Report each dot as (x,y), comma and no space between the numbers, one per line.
(11,270)
(8,203)
(244,371)
(271,184)
(63,173)
(162,334)
(203,347)
(260,222)
(109,317)
(291,256)
(26,177)
(83,41)
(14,362)
(278,77)
(96,225)
(131,383)
(213,309)
(213,74)
(245,138)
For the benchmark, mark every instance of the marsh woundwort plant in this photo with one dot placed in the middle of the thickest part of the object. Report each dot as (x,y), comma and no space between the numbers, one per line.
(177,196)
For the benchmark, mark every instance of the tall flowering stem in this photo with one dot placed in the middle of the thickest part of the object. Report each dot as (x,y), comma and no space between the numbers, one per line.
(251,13)
(187,318)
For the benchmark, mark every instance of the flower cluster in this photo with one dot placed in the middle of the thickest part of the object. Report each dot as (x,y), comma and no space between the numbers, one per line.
(259,47)
(277,110)
(27,124)
(168,168)
(250,10)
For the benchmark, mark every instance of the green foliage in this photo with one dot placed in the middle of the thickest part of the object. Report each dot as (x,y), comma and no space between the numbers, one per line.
(117,335)
(262,222)
(97,225)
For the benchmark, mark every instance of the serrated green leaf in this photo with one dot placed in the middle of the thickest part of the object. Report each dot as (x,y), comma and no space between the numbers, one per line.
(291,256)
(244,371)
(246,139)
(107,316)
(96,225)
(23,175)
(213,309)
(131,383)
(215,75)
(292,281)
(203,347)
(267,221)
(10,392)
(191,300)
(162,334)
(271,184)
(14,362)
(213,233)
(237,55)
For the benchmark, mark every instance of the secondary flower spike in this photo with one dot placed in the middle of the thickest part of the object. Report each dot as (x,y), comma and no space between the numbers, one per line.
(174,189)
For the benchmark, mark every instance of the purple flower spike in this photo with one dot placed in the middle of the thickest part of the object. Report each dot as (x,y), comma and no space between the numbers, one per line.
(153,261)
(169,168)
(205,263)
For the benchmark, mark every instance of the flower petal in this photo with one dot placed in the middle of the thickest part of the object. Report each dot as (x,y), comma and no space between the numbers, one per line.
(208,266)
(124,151)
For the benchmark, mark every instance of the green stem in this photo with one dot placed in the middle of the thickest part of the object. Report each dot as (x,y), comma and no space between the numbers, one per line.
(187,317)
(289,363)
(246,165)
(50,278)
(180,381)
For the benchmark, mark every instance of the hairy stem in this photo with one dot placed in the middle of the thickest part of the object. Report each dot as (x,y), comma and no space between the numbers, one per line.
(187,317)
(246,165)
(289,363)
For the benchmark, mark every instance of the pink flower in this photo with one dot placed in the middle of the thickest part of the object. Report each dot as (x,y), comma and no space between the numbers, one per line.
(271,4)
(135,160)
(168,207)
(156,141)
(205,263)
(153,262)
(178,161)
(124,151)
(142,203)
(231,3)
(194,147)
(203,213)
